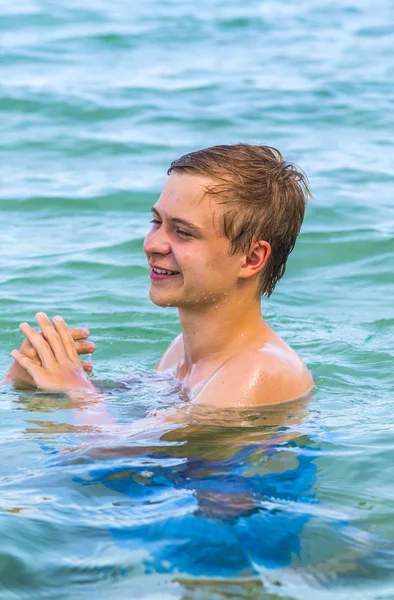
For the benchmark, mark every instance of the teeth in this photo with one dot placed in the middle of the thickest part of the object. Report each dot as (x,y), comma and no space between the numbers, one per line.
(163,271)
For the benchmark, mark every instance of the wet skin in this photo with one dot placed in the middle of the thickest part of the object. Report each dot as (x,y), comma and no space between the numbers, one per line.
(226,354)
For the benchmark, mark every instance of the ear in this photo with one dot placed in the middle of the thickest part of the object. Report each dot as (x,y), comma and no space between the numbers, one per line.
(256,259)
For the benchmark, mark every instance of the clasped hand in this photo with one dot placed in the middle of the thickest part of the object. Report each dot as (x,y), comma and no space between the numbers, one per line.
(54,364)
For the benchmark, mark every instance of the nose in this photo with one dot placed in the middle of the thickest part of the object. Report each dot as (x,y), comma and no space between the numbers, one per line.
(156,242)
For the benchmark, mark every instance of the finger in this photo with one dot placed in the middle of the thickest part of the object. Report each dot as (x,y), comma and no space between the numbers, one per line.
(26,346)
(32,354)
(31,367)
(80,333)
(68,342)
(87,365)
(39,344)
(52,337)
(28,350)
(85,347)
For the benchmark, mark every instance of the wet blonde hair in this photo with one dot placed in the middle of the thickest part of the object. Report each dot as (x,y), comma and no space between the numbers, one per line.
(265,196)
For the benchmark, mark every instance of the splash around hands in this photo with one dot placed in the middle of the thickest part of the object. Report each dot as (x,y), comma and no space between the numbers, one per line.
(60,369)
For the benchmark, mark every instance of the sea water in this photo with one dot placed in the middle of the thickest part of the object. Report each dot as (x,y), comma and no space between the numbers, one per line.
(296,502)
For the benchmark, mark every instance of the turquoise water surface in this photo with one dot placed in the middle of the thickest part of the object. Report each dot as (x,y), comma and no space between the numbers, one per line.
(96,100)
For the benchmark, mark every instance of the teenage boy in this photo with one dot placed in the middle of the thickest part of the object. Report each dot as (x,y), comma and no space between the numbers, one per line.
(222,230)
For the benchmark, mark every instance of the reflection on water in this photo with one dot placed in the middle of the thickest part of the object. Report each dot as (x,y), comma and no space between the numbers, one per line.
(225,502)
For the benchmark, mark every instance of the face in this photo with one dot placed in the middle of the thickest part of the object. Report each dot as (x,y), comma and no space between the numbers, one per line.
(188,254)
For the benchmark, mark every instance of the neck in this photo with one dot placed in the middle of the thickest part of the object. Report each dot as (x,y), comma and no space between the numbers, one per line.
(218,331)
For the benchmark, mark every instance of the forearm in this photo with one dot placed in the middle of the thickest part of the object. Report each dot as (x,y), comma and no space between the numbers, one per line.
(90,408)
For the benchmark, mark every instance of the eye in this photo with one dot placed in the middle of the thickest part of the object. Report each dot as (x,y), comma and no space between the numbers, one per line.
(156,222)
(184,234)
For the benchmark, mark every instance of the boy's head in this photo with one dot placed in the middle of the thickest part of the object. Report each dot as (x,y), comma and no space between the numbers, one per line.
(263,196)
(225,222)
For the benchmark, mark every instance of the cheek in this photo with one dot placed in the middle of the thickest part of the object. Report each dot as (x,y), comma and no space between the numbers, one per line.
(220,263)
(186,259)
(224,270)
(197,264)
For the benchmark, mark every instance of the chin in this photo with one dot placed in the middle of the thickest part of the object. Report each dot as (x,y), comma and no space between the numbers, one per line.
(161,300)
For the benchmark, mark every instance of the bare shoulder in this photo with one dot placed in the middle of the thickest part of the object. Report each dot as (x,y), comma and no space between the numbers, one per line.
(172,356)
(268,375)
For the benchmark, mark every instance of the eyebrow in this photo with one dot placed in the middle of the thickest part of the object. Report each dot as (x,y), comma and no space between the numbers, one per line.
(179,221)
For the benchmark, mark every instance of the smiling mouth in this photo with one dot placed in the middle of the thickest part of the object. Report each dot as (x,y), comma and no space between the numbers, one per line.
(163,271)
